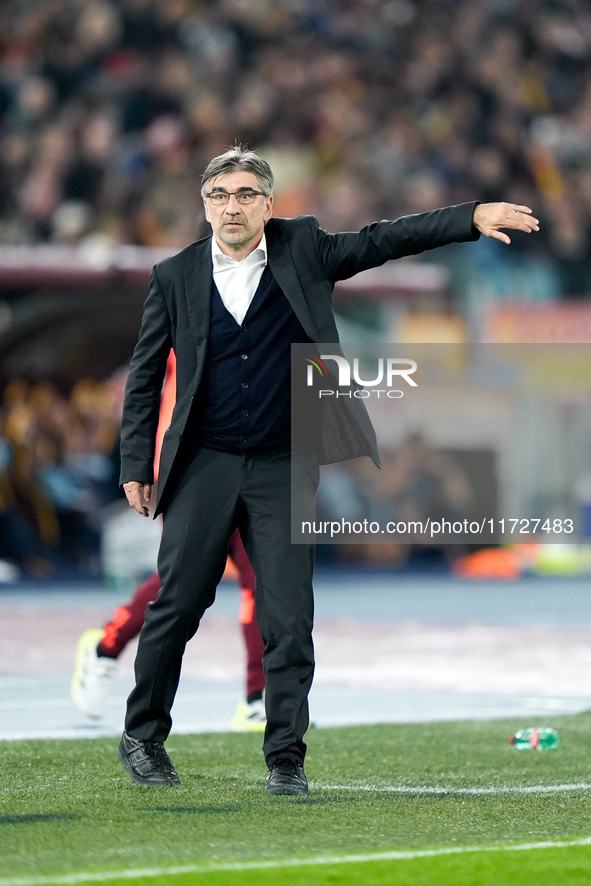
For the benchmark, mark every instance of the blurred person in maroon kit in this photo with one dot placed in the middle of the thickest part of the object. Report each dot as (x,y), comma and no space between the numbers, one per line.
(98,649)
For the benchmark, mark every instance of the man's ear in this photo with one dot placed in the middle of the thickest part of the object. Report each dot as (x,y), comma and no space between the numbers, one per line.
(206,208)
(268,208)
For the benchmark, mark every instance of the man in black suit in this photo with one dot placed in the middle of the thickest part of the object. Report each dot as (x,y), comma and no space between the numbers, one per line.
(231,305)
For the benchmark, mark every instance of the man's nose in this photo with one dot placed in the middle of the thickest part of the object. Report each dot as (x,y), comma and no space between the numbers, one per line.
(233,204)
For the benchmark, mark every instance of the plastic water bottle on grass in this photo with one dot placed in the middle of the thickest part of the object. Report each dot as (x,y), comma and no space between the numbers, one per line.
(538,738)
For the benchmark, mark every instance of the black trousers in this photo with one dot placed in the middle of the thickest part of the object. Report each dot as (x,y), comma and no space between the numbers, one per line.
(216,492)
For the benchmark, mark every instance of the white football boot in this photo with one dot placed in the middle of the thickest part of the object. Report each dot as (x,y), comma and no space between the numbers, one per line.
(93,676)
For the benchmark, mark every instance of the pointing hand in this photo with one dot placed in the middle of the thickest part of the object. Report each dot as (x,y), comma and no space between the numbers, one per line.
(489,218)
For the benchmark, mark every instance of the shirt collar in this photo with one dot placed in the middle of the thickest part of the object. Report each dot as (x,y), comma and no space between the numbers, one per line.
(220,258)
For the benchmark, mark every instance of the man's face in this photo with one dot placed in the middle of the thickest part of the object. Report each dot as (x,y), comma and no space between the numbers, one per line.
(237,228)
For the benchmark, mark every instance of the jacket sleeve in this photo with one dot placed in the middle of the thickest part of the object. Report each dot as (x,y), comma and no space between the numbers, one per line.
(344,255)
(144,387)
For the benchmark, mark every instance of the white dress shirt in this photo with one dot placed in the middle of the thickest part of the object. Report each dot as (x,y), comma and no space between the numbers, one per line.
(237,281)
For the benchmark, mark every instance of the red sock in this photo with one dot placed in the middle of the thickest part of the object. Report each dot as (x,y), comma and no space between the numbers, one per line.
(127,620)
(255,679)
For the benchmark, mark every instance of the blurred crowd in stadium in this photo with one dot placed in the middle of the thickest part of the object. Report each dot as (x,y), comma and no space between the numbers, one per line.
(366,109)
(59,468)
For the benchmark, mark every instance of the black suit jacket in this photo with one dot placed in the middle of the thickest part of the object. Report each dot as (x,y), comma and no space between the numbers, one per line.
(306,263)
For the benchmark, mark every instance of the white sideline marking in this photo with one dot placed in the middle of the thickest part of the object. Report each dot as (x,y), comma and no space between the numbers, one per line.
(396,855)
(452,791)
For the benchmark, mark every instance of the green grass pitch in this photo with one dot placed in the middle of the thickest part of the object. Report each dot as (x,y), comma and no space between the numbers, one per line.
(446,803)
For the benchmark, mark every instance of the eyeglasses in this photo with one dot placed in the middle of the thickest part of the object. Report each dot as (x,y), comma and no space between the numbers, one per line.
(244,198)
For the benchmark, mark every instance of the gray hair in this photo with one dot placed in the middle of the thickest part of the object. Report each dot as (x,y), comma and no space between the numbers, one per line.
(242,159)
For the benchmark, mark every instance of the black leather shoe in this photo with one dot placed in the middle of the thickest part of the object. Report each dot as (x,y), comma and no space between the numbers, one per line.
(146,761)
(287,777)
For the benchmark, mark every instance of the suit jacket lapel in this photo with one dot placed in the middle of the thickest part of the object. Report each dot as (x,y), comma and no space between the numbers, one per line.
(198,273)
(284,271)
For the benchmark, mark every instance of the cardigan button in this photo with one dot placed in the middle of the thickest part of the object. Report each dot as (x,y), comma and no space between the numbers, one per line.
(244,356)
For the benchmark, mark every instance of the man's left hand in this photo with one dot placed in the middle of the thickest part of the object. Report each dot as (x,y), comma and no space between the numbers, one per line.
(489,218)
